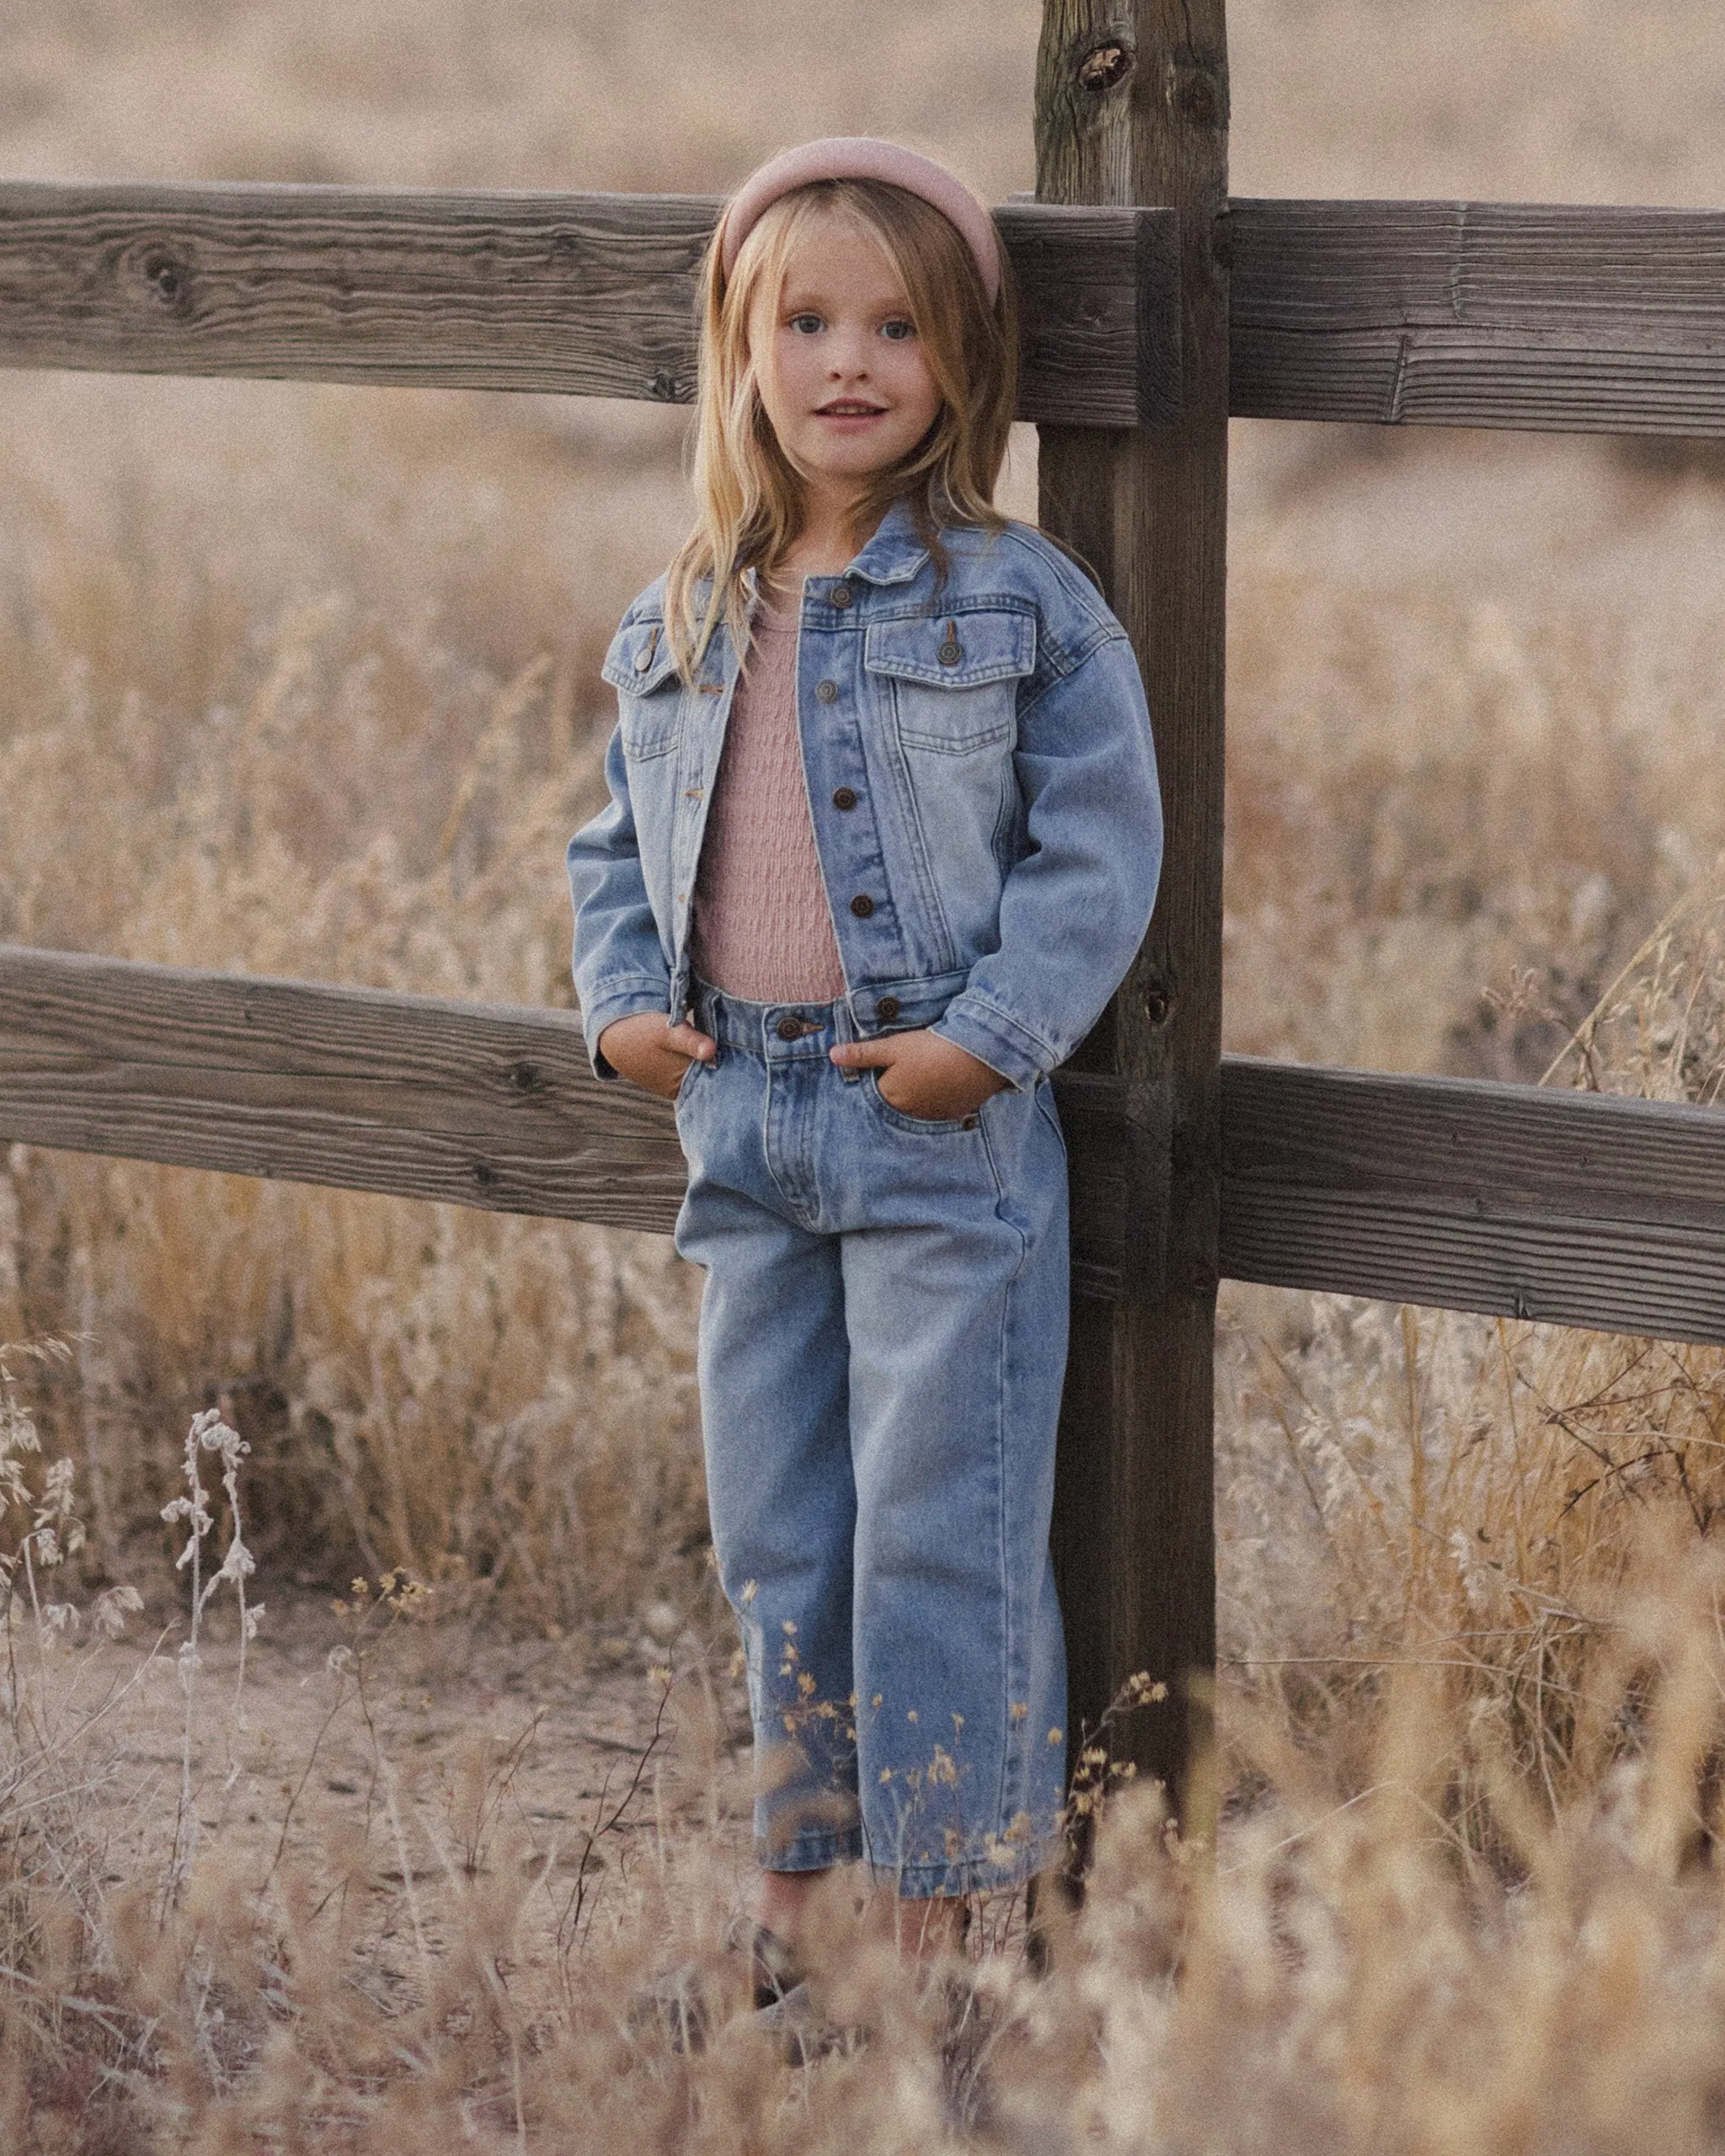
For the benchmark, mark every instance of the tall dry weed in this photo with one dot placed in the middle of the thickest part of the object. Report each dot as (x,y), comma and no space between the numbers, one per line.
(1347,1971)
(65,2045)
(1415,1490)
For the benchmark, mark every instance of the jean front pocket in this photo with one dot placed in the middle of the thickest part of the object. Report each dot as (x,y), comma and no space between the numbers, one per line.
(920,1126)
(686,1084)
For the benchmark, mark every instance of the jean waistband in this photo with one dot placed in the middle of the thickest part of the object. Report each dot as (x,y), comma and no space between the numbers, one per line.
(773,1028)
(770,1029)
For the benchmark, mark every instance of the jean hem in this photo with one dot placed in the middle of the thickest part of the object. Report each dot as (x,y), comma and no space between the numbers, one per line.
(809,1851)
(921,1882)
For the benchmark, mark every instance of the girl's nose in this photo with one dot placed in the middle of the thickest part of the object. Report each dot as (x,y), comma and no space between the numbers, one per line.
(849,360)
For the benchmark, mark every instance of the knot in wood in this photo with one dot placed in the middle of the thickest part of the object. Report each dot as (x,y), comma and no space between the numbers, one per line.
(665,388)
(524,1077)
(169,278)
(1104,69)
(485,1176)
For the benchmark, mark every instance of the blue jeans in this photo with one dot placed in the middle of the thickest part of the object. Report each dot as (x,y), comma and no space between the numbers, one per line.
(883,1340)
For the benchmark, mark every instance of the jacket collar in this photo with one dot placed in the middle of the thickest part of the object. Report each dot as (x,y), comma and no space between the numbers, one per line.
(896,553)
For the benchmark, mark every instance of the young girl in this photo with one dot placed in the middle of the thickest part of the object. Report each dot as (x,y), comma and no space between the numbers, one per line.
(884,835)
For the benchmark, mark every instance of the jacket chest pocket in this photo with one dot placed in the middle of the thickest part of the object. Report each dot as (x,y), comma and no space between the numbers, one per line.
(954,680)
(640,668)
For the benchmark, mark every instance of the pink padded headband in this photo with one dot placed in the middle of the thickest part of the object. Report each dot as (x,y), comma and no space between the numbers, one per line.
(861,157)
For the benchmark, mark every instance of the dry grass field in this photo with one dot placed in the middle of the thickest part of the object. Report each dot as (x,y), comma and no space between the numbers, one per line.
(304,681)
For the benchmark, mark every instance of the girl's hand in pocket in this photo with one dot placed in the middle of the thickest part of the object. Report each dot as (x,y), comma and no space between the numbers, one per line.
(923,1073)
(650,1053)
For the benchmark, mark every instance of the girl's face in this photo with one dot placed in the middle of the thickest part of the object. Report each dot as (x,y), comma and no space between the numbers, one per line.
(842,373)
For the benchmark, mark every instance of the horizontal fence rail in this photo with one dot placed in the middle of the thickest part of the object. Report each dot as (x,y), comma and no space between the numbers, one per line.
(1566,318)
(1569,1207)
(593,294)
(1573,1208)
(417,1097)
(1479,314)
(467,1103)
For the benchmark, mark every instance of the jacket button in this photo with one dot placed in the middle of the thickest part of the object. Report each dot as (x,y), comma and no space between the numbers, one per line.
(827,691)
(840,596)
(887,1008)
(862,905)
(844,797)
(789,1029)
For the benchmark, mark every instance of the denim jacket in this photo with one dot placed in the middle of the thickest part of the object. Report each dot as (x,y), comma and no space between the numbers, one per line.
(981,779)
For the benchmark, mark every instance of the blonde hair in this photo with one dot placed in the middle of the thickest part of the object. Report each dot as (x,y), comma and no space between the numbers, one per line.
(749,503)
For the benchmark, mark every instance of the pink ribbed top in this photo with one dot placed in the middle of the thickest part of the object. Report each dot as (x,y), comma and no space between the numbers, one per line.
(762,929)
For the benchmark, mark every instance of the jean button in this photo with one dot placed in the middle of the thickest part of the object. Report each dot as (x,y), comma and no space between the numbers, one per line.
(888,1009)
(827,692)
(844,797)
(862,905)
(789,1029)
(840,596)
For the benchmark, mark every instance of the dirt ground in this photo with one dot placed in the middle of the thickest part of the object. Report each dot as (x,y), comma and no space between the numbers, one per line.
(377,1760)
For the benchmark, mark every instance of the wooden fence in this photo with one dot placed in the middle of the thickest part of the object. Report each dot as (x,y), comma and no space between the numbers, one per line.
(1467,314)
(1154,307)
(1577,1209)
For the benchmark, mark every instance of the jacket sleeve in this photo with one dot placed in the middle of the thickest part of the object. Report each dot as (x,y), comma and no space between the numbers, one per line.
(619,963)
(1074,907)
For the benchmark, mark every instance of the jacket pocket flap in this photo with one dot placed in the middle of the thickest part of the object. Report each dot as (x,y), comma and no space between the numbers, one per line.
(957,651)
(639,660)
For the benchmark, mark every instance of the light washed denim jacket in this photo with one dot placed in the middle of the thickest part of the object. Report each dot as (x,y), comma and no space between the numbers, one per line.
(982,782)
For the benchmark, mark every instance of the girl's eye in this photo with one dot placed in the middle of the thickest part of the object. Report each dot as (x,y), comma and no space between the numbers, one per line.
(899,330)
(807,325)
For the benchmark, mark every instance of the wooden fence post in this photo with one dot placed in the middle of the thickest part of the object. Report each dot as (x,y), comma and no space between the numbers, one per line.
(1132,107)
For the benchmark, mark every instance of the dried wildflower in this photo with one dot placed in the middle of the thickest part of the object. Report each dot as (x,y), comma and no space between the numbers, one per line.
(209,1434)
(112,1607)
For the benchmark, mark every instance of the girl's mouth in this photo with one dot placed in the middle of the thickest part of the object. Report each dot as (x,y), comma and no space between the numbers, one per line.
(849,407)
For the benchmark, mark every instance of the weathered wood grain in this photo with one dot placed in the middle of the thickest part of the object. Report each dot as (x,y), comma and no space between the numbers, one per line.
(1099,295)
(409,1094)
(1480,314)
(470,1104)
(1574,1208)
(1118,1151)
(593,294)
(1436,313)
(1132,106)
(1570,1207)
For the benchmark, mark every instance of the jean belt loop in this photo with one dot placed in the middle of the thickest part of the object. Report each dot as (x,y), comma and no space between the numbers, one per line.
(844,1029)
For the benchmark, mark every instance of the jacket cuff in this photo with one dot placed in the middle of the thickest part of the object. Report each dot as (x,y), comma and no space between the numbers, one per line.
(1020,1057)
(622,1000)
